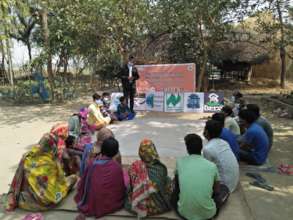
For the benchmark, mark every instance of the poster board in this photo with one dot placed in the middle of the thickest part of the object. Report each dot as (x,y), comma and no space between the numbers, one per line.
(174,102)
(193,102)
(213,102)
(155,101)
(166,77)
(139,103)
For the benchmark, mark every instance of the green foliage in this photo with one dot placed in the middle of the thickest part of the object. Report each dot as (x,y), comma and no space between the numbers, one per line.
(100,34)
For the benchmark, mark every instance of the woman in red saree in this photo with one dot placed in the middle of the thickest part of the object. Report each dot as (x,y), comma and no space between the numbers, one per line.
(101,189)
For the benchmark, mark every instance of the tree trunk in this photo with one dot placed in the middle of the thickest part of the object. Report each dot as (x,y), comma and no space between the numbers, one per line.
(201,84)
(65,64)
(283,67)
(282,47)
(44,17)
(29,49)
(249,74)
(9,62)
(202,72)
(2,67)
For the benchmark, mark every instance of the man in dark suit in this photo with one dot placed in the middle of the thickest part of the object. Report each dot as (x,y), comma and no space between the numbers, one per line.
(128,76)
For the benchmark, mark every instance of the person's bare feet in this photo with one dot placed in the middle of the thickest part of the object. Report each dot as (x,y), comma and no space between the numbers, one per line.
(80,217)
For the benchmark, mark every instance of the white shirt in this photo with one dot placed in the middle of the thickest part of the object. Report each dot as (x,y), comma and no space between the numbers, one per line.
(219,152)
(130,70)
(232,125)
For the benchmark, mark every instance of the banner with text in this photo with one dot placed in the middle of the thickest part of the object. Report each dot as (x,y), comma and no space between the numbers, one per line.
(213,102)
(166,77)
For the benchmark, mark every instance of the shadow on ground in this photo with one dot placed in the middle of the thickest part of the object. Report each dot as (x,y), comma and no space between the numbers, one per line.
(13,115)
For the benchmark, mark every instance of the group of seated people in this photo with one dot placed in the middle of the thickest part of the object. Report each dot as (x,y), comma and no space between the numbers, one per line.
(202,183)
(100,113)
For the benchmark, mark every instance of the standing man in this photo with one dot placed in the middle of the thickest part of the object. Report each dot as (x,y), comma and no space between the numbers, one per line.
(128,76)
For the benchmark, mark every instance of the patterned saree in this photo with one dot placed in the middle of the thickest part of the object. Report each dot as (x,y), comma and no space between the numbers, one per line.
(150,187)
(39,182)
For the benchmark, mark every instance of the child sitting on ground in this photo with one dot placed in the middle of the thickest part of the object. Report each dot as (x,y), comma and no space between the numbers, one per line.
(123,111)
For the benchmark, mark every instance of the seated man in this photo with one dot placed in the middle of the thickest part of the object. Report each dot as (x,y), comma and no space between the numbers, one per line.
(105,109)
(219,152)
(101,189)
(263,122)
(95,117)
(238,102)
(123,111)
(106,98)
(198,193)
(230,122)
(227,135)
(254,145)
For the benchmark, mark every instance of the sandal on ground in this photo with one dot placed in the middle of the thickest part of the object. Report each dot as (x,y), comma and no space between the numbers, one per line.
(257,177)
(262,185)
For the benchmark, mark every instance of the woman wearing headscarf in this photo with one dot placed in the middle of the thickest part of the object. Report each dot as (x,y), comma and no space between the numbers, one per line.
(91,151)
(61,131)
(101,189)
(150,187)
(79,130)
(67,152)
(39,182)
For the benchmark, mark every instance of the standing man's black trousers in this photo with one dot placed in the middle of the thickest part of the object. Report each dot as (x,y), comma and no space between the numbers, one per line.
(129,95)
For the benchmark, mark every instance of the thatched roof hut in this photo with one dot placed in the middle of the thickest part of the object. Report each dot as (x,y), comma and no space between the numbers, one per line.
(237,56)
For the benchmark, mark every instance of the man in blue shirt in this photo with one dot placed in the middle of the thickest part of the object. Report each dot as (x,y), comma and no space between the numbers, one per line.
(263,122)
(254,145)
(226,134)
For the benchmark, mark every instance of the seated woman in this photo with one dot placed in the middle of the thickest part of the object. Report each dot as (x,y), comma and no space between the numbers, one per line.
(101,189)
(123,111)
(95,117)
(61,131)
(150,187)
(78,130)
(91,151)
(67,153)
(74,125)
(39,182)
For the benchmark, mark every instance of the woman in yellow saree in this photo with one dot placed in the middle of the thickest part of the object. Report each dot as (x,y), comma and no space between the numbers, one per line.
(39,182)
(96,119)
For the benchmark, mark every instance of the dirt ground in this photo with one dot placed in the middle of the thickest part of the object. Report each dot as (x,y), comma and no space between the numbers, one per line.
(21,126)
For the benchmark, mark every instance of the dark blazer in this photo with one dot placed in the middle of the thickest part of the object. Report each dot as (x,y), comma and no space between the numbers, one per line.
(124,74)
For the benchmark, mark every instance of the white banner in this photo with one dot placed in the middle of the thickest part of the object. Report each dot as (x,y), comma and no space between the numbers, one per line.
(193,101)
(155,101)
(139,104)
(174,102)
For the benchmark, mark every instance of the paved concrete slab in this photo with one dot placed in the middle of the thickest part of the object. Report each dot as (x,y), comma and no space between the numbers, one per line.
(270,205)
(167,132)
